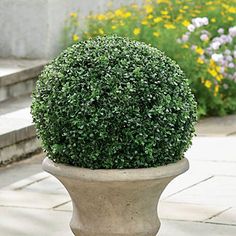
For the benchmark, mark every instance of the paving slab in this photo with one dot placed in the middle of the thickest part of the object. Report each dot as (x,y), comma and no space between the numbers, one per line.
(188,212)
(34,222)
(217,149)
(226,217)
(183,228)
(217,126)
(28,199)
(219,191)
(22,184)
(21,170)
(49,186)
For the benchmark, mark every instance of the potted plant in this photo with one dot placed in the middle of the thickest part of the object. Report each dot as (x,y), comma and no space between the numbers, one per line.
(115,117)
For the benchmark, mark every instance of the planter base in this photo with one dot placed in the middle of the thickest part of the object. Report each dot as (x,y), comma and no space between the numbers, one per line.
(115,202)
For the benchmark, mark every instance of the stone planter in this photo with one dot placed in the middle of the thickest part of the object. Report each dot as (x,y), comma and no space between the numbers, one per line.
(117,202)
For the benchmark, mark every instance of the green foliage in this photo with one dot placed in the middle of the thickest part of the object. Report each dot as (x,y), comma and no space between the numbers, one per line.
(111,102)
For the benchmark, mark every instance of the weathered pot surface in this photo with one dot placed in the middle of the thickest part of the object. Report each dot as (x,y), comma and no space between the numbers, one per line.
(115,202)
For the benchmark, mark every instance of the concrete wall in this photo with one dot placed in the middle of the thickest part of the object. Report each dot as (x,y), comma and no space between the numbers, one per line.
(33,28)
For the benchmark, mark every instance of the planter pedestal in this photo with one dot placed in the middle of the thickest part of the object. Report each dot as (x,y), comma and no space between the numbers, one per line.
(115,202)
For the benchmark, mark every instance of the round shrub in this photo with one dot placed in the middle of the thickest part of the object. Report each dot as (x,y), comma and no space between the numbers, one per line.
(111,102)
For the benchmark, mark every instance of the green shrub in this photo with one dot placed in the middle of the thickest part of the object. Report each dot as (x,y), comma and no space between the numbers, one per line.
(111,102)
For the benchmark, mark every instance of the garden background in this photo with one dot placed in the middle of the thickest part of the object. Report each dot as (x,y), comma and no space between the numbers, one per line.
(200,35)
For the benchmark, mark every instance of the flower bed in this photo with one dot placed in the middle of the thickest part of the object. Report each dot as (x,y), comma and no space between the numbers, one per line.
(200,35)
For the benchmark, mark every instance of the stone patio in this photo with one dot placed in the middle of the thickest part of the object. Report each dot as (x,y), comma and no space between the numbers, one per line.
(200,202)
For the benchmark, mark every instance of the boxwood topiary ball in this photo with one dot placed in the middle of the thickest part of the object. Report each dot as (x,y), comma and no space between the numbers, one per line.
(111,102)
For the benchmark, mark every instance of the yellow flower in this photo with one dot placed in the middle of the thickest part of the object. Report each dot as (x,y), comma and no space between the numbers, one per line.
(114,27)
(216,90)
(101,31)
(150,16)
(217,68)
(157,19)
(164,12)
(232,9)
(180,17)
(230,18)
(185,46)
(209,3)
(212,72)
(101,17)
(136,31)
(186,23)
(75,37)
(208,83)
(127,14)
(148,8)
(219,77)
(144,22)
(185,7)
(166,17)
(169,26)
(119,12)
(73,14)
(199,50)
(200,61)
(156,34)
(122,23)
(213,20)
(162,1)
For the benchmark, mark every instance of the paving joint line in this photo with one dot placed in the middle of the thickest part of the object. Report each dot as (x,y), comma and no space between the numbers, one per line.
(61,204)
(217,214)
(204,180)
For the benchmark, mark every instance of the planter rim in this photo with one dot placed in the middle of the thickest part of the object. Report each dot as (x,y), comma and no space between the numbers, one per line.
(107,175)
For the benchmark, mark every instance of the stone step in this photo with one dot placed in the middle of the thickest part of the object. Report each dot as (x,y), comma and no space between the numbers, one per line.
(17,133)
(18,76)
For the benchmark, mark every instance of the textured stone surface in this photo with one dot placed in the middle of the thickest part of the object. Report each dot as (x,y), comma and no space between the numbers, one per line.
(179,228)
(125,202)
(187,212)
(219,191)
(38,33)
(19,150)
(33,222)
(30,199)
(13,71)
(217,126)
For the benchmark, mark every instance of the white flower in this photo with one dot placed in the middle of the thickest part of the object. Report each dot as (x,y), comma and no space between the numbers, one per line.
(191,28)
(215,45)
(198,22)
(217,57)
(227,52)
(229,58)
(221,31)
(185,38)
(225,39)
(222,70)
(204,37)
(234,53)
(179,41)
(231,65)
(205,20)
(232,31)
